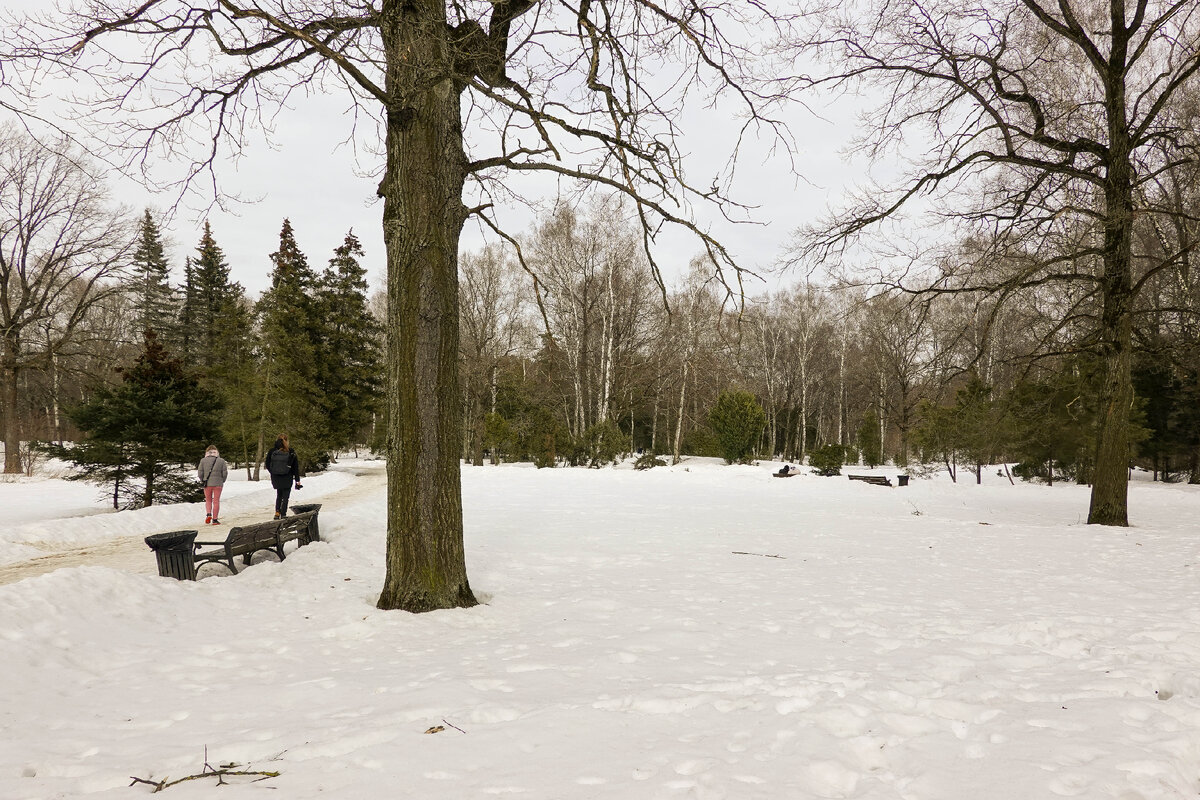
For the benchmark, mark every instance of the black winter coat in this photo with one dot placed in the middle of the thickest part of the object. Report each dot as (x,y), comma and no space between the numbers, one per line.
(280,463)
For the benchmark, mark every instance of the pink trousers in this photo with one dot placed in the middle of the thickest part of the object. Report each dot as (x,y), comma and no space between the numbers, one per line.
(212,501)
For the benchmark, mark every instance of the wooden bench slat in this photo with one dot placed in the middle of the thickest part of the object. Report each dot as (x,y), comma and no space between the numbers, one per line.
(878,480)
(246,540)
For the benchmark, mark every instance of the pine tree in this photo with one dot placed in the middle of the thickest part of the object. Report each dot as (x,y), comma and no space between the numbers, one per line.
(144,434)
(292,399)
(155,299)
(216,331)
(235,377)
(350,365)
(186,326)
(208,295)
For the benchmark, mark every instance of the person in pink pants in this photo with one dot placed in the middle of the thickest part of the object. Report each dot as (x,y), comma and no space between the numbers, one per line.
(212,472)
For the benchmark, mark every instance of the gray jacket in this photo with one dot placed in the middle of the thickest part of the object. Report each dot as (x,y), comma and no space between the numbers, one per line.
(215,468)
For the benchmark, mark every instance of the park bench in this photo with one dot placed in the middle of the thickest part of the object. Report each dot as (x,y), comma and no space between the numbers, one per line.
(878,480)
(180,556)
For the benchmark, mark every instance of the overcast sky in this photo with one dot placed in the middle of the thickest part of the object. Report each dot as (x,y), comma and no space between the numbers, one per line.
(315,179)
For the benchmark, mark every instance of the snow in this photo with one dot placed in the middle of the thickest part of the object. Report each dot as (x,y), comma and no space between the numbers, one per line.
(699,631)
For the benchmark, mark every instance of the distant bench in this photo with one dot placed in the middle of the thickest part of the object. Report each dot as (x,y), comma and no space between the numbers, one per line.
(878,480)
(180,555)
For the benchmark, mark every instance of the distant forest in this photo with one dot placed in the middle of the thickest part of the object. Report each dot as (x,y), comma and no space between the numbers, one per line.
(574,353)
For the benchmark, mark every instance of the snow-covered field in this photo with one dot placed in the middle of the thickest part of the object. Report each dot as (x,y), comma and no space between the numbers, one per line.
(699,631)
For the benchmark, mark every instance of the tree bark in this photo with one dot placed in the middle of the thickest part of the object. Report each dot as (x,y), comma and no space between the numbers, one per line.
(676,450)
(1110,480)
(10,393)
(423,217)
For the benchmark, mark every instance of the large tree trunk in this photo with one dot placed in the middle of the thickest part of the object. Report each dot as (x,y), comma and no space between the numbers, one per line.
(422,220)
(12,423)
(1110,481)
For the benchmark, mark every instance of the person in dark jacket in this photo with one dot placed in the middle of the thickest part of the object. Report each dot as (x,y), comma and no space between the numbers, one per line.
(284,469)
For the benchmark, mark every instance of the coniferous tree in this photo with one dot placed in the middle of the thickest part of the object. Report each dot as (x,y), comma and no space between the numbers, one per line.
(870,444)
(290,391)
(216,331)
(234,377)
(186,324)
(350,365)
(212,297)
(144,434)
(738,421)
(154,297)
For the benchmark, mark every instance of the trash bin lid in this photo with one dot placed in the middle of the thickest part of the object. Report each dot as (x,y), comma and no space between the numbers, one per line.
(157,541)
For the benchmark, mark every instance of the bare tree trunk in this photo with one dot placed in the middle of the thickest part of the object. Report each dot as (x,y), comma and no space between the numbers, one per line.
(426,562)
(55,411)
(476,432)
(12,423)
(803,426)
(679,420)
(260,453)
(841,400)
(654,427)
(608,337)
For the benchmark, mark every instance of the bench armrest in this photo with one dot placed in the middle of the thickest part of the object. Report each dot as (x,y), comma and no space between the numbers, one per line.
(209,544)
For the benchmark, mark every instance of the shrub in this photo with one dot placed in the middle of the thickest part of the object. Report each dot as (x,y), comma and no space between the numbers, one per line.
(648,461)
(870,444)
(738,421)
(828,460)
(602,443)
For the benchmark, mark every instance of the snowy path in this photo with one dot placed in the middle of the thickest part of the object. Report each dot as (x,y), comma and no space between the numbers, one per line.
(129,553)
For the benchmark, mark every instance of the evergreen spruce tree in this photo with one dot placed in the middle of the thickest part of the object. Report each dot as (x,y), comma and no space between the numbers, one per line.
(216,331)
(349,362)
(154,297)
(212,296)
(291,330)
(186,343)
(234,376)
(144,435)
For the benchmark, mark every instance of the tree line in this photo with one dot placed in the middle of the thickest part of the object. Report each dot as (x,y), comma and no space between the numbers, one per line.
(591,360)
(592,363)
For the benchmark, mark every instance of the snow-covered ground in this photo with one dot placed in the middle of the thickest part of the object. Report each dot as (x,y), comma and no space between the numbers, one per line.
(698,631)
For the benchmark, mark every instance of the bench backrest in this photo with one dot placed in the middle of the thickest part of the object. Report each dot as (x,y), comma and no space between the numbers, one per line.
(295,526)
(252,537)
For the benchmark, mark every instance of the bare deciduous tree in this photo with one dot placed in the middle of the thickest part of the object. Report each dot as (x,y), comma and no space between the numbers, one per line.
(63,252)
(494,326)
(1044,120)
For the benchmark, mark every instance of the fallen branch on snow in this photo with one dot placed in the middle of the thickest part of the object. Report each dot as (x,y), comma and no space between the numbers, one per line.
(208,771)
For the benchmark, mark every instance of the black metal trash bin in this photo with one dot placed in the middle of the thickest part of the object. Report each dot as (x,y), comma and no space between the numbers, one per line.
(174,553)
(902,480)
(314,528)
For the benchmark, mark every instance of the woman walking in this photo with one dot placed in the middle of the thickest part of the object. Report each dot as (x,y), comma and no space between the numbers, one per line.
(284,469)
(212,472)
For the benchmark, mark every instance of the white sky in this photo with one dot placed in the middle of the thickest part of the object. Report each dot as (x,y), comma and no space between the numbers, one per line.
(312,177)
